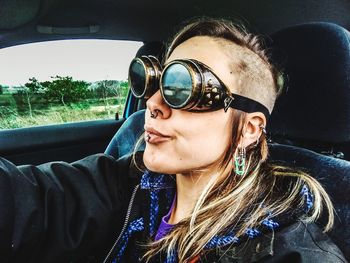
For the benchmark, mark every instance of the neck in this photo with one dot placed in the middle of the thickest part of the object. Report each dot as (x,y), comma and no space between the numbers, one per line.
(188,189)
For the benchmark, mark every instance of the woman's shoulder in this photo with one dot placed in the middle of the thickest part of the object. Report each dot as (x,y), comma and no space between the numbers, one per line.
(298,242)
(306,242)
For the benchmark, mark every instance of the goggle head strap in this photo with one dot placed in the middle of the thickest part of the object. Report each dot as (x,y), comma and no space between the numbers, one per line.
(245,104)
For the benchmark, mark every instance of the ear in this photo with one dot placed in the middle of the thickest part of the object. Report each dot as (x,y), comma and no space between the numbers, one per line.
(254,124)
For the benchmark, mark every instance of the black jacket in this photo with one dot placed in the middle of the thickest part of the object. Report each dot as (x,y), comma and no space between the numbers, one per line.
(59,212)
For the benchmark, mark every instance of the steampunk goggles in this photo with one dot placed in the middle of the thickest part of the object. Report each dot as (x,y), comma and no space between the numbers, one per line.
(186,84)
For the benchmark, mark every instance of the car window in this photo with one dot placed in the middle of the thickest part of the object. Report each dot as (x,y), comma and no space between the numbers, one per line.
(63,81)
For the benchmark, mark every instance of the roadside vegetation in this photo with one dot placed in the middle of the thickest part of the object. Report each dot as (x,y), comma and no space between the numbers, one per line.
(60,100)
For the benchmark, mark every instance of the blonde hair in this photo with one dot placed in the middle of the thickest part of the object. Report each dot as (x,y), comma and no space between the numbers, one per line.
(241,202)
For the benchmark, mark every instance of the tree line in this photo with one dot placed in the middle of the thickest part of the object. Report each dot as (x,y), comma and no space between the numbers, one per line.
(65,90)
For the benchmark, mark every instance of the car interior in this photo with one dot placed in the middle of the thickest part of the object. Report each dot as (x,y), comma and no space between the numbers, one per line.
(310,41)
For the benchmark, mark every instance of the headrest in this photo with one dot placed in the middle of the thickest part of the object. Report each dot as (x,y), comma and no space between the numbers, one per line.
(315,104)
(125,139)
(151,48)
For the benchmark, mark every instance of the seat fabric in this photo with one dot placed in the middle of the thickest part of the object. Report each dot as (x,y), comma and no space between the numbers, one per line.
(124,140)
(313,111)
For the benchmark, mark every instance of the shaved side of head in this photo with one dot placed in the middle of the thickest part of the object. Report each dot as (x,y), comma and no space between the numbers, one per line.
(253,74)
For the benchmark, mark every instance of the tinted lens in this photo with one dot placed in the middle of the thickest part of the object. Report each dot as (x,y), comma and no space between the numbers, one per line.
(137,78)
(177,85)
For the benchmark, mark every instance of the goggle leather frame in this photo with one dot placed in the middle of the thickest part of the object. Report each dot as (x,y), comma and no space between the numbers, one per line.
(208,92)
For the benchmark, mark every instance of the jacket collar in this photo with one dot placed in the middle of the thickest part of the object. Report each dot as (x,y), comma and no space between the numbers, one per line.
(156,181)
(258,247)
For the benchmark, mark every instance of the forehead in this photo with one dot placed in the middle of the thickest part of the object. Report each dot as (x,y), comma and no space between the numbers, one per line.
(209,51)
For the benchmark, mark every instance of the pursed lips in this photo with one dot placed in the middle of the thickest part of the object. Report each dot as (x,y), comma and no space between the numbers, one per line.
(154,136)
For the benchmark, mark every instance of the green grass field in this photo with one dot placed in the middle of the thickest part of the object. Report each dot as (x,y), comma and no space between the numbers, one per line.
(17,115)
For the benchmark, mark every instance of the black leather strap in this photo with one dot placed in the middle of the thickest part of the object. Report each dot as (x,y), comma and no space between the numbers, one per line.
(247,105)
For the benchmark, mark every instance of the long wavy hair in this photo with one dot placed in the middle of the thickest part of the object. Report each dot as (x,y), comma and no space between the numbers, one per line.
(237,202)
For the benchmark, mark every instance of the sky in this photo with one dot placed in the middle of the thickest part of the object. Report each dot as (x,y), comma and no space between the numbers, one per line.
(89,60)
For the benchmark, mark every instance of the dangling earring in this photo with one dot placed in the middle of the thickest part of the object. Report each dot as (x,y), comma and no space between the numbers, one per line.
(240,159)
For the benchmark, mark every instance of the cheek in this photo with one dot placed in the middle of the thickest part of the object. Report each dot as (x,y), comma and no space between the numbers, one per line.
(169,158)
(195,147)
(206,145)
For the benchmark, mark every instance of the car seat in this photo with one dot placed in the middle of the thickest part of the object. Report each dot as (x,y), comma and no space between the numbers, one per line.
(313,111)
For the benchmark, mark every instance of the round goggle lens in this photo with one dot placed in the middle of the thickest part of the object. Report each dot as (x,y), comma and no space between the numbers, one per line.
(137,77)
(177,85)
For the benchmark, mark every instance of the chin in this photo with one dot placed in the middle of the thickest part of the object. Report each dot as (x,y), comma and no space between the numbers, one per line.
(150,161)
(158,165)
(155,166)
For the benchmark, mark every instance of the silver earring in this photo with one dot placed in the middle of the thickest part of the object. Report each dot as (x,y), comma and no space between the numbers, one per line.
(263,129)
(154,114)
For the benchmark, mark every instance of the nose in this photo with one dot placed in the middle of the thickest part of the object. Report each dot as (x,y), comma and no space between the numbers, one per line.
(157,104)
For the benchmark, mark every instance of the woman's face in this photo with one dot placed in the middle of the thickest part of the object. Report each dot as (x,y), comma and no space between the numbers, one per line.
(180,141)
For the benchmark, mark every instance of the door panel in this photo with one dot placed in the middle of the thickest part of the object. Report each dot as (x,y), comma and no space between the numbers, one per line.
(63,142)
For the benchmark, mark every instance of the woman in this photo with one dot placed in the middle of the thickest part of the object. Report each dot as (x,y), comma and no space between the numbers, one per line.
(207,193)
(226,193)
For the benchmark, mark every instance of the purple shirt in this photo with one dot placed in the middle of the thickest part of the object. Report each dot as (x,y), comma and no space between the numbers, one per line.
(164,228)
